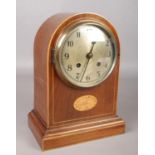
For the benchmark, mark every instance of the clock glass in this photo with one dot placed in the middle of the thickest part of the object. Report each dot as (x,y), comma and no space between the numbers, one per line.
(85,54)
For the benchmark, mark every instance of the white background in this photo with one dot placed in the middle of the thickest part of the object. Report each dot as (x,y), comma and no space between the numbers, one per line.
(146,80)
(7,81)
(123,15)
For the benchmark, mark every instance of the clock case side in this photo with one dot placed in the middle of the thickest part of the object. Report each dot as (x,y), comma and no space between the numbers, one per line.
(43,67)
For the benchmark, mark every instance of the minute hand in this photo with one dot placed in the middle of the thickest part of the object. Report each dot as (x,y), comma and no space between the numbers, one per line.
(88,56)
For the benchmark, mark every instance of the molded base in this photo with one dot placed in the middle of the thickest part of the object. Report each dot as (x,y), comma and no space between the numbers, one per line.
(74,133)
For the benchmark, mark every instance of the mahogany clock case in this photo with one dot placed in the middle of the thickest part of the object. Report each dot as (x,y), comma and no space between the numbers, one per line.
(54,121)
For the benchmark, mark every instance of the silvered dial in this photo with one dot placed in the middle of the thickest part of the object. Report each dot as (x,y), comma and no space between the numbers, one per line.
(85,55)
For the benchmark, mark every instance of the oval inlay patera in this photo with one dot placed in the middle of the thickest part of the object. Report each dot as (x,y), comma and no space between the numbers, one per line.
(85,103)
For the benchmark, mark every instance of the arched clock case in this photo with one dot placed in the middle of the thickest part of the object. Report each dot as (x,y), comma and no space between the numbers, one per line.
(76,69)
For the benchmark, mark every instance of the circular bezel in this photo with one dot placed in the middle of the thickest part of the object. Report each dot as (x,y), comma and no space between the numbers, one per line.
(59,46)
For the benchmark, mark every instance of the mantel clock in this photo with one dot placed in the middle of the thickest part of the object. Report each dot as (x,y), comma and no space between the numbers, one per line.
(76,67)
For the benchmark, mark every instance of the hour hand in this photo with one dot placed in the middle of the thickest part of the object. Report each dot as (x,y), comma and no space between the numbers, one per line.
(90,54)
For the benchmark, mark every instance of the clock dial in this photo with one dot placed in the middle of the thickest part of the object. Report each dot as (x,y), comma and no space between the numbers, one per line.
(87,55)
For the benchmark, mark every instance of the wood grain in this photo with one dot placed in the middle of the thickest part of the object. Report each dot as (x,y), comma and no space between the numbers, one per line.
(72,134)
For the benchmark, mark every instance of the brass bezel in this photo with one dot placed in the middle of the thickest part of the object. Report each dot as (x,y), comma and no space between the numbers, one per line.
(58,47)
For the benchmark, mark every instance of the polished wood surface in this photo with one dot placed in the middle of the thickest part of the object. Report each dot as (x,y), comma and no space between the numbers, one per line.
(53,116)
(74,133)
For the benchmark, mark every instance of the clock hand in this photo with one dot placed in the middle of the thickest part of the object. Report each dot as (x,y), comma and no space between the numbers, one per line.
(84,69)
(88,56)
